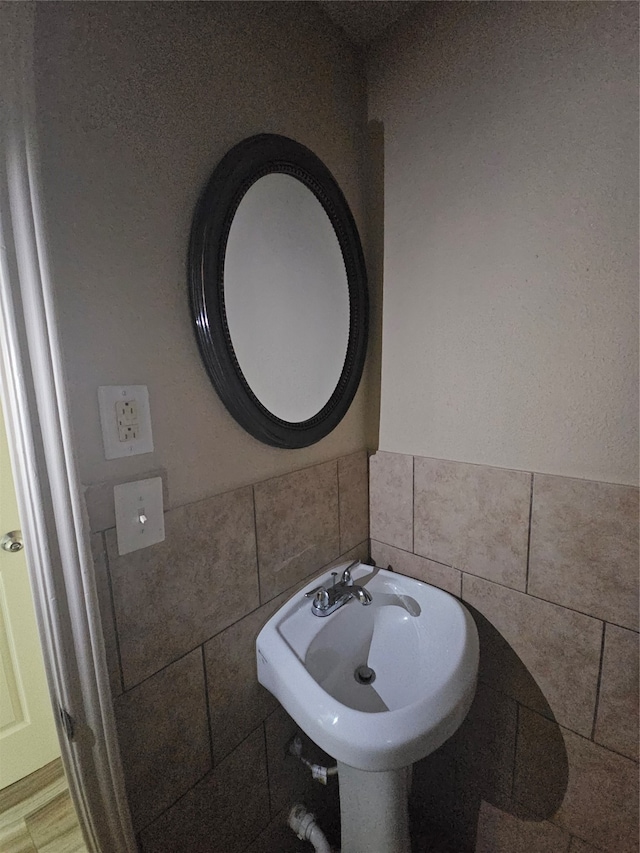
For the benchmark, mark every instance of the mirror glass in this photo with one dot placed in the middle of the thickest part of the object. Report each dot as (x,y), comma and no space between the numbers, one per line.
(278,291)
(287,298)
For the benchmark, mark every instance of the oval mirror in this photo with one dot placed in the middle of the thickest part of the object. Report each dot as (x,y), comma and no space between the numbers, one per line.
(278,291)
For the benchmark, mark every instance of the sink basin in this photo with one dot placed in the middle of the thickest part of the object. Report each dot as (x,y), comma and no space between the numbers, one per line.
(379,686)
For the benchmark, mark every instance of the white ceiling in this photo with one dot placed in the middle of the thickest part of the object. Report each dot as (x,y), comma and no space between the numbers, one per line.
(365,20)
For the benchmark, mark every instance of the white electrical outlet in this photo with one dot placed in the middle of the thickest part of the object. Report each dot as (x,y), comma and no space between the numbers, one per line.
(126,420)
(127,417)
(139,514)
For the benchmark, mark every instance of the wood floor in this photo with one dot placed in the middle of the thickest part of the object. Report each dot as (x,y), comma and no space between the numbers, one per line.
(37,815)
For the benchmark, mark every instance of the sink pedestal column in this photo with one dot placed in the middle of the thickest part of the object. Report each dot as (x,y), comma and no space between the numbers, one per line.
(374,815)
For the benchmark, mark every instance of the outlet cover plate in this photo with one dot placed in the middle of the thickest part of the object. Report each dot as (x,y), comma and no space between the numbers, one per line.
(119,442)
(134,502)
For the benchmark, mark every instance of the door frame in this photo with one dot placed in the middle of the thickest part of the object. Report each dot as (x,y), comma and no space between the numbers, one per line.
(50,500)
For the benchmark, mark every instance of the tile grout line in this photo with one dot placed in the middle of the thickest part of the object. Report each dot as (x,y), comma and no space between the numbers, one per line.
(413,505)
(596,706)
(260,832)
(266,761)
(128,689)
(369,458)
(547,601)
(552,719)
(515,752)
(103,542)
(459,572)
(420,556)
(536,597)
(167,808)
(526,582)
(300,582)
(165,666)
(368,481)
(207,706)
(198,781)
(255,536)
(339,505)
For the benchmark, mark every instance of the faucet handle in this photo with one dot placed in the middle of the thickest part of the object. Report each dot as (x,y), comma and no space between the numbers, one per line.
(312,593)
(320,597)
(346,575)
(321,600)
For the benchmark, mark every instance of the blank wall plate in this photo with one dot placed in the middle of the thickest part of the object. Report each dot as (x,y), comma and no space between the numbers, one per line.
(126,420)
(139,514)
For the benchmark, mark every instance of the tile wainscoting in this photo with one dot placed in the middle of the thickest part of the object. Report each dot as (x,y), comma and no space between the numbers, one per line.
(202,743)
(546,761)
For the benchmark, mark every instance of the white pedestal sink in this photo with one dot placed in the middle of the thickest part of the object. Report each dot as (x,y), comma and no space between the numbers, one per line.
(422,646)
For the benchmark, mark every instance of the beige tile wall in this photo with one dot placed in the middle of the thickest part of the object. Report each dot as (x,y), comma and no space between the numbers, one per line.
(202,742)
(547,760)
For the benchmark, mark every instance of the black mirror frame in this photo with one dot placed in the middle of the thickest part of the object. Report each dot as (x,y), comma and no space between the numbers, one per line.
(244,164)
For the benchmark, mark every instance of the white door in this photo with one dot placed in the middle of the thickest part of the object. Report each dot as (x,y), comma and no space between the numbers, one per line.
(28,738)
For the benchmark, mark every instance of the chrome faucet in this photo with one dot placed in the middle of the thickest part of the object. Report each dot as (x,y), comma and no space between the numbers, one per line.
(325,601)
(363,595)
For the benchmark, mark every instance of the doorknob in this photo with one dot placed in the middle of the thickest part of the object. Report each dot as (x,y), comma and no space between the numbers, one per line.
(12,541)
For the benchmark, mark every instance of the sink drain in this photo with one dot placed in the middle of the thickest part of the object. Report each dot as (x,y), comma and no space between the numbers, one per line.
(364,674)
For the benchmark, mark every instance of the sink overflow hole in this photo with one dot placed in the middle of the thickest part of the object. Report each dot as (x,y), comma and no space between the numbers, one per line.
(364,674)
